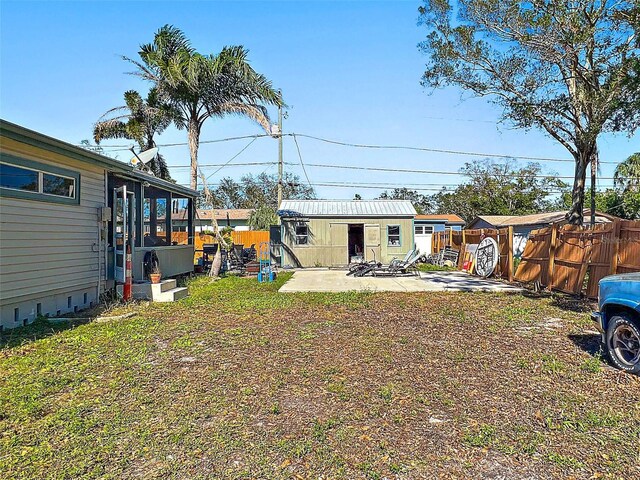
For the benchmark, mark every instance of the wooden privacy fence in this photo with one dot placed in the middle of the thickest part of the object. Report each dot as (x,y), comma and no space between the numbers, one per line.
(241,237)
(573,259)
(459,239)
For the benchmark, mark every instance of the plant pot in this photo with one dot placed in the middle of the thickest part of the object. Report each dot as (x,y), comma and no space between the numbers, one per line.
(154,277)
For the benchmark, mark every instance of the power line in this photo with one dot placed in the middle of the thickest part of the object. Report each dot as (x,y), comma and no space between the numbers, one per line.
(368,146)
(225,164)
(356,185)
(232,158)
(429,172)
(301,162)
(436,150)
(183,144)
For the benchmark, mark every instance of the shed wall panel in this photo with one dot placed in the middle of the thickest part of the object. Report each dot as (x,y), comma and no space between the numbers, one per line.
(319,251)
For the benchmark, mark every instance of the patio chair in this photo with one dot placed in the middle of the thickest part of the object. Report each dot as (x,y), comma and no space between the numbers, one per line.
(407,257)
(398,268)
(362,268)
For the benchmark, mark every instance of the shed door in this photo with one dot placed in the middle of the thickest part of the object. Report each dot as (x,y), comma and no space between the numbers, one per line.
(338,239)
(372,242)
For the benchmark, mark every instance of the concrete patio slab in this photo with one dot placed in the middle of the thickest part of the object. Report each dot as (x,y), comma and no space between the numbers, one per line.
(325,280)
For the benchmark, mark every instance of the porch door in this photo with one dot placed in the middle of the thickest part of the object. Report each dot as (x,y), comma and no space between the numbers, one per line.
(339,244)
(372,242)
(123,229)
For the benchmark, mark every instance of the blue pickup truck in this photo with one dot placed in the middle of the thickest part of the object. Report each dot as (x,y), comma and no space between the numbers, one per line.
(618,319)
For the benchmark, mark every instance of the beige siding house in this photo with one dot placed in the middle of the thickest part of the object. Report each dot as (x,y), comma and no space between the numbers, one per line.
(57,223)
(335,233)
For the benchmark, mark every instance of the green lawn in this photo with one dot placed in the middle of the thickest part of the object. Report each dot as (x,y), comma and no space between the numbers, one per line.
(238,381)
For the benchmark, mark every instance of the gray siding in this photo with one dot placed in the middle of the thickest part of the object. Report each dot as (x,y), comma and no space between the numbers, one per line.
(50,251)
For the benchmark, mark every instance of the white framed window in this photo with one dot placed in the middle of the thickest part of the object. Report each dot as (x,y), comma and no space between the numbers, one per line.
(302,234)
(418,229)
(393,235)
(428,229)
(27,179)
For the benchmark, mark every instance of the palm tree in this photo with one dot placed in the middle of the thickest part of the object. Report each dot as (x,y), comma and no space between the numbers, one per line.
(204,86)
(140,120)
(627,174)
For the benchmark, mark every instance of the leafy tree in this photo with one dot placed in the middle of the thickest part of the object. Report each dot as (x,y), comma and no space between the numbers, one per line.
(624,199)
(421,203)
(140,120)
(568,68)
(255,191)
(200,87)
(262,218)
(499,189)
(627,174)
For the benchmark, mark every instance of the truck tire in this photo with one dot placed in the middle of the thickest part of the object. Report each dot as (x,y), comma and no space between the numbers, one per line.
(623,343)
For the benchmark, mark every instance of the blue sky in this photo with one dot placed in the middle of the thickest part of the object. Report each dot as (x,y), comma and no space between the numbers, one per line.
(350,71)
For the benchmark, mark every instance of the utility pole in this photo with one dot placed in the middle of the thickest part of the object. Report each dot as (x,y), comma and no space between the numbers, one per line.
(280,165)
(595,159)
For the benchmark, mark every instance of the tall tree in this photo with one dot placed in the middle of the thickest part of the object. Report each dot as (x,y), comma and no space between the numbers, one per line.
(567,67)
(255,191)
(627,174)
(200,86)
(421,202)
(140,120)
(499,189)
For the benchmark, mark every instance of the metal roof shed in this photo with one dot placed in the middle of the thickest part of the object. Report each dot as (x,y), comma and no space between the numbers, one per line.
(335,232)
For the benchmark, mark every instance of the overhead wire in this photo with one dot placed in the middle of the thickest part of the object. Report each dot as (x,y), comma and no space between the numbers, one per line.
(369,146)
(232,158)
(301,162)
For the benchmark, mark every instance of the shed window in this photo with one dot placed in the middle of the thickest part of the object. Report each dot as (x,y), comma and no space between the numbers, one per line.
(302,234)
(393,235)
(418,229)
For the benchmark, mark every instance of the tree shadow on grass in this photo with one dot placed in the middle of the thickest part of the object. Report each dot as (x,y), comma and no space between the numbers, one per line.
(41,328)
(563,301)
(589,343)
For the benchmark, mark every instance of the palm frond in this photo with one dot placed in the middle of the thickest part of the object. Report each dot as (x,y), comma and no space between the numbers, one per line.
(108,129)
(255,112)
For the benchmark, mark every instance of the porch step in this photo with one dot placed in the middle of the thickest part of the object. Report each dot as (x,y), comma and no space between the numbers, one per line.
(169,284)
(165,291)
(159,294)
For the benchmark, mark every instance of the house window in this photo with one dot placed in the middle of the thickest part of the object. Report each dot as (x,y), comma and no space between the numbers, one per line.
(418,229)
(58,185)
(393,235)
(428,229)
(156,218)
(19,178)
(302,234)
(22,178)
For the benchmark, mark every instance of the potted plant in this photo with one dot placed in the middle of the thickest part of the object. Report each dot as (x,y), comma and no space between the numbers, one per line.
(155,274)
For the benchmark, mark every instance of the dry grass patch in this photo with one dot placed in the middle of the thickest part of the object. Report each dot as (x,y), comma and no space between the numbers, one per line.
(239,381)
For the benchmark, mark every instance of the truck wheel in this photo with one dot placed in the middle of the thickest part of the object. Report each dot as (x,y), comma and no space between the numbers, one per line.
(623,343)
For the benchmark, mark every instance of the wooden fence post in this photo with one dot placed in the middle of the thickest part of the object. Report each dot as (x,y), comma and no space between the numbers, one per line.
(510,257)
(615,238)
(552,255)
